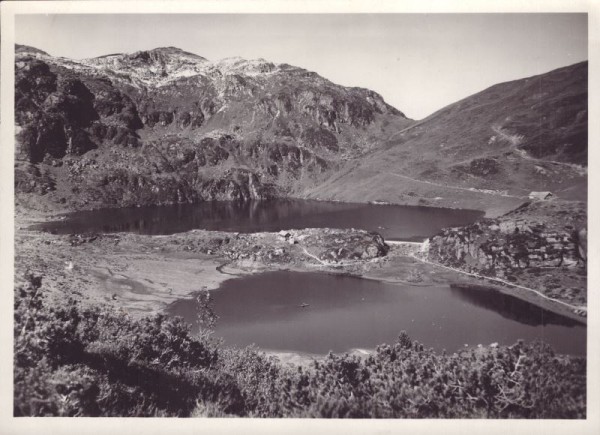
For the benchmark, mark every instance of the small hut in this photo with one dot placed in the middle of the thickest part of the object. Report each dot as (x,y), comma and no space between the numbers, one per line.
(541,196)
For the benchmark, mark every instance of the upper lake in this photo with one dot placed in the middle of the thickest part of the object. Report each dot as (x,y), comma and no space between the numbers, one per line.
(393,222)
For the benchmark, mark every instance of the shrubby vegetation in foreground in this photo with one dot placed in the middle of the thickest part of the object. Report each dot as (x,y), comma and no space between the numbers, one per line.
(72,360)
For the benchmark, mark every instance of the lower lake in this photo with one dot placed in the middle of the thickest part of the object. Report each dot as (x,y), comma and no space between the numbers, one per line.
(317,313)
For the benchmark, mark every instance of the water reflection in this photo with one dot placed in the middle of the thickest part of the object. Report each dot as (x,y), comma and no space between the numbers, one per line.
(509,306)
(392,221)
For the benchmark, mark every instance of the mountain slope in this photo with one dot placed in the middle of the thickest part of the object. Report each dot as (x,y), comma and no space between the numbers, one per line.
(165,126)
(505,141)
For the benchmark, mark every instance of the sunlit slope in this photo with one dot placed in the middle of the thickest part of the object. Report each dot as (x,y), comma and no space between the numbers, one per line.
(510,139)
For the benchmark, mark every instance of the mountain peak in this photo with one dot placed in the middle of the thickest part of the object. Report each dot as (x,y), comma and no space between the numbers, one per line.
(19,48)
(166,52)
(247,66)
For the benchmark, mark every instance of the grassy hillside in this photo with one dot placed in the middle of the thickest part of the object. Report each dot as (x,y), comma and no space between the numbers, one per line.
(512,138)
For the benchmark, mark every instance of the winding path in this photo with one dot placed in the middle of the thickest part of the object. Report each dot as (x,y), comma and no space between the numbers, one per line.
(574,307)
(515,140)
(466,189)
(314,256)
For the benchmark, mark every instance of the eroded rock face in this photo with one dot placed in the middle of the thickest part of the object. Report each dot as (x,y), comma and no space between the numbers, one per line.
(60,115)
(122,187)
(536,235)
(496,248)
(537,243)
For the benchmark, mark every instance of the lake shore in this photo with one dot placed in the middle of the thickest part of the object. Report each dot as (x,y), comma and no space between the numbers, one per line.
(143,274)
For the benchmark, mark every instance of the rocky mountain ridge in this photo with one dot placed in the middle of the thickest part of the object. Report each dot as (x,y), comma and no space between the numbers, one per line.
(165,126)
(157,67)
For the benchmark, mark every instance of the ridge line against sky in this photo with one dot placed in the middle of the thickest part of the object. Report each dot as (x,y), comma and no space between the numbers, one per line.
(419,63)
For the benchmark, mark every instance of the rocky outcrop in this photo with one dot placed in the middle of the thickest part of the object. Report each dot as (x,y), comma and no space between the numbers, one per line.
(334,246)
(125,188)
(29,179)
(497,248)
(60,115)
(537,244)
(321,246)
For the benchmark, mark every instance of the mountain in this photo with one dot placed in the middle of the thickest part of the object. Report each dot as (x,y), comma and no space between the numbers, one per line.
(497,145)
(165,126)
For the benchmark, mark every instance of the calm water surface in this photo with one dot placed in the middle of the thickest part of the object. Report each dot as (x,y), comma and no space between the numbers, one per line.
(391,221)
(342,313)
(345,313)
